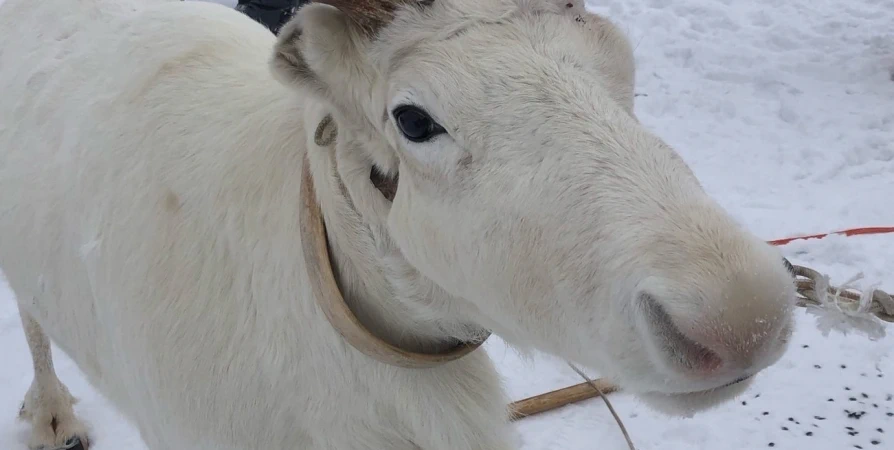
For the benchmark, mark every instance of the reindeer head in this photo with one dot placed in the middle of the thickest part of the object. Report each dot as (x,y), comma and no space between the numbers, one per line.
(529,195)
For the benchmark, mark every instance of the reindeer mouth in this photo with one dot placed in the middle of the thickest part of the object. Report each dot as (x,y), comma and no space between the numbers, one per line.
(730,384)
(736,381)
(713,389)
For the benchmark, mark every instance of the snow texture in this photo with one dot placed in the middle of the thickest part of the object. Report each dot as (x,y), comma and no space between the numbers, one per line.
(785,111)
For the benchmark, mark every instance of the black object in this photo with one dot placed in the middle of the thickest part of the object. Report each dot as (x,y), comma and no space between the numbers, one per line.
(273,14)
(72,444)
(789,266)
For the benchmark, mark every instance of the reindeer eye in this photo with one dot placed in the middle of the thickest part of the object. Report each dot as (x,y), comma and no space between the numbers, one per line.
(415,124)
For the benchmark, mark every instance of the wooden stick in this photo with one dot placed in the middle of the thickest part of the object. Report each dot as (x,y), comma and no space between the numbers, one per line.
(558,398)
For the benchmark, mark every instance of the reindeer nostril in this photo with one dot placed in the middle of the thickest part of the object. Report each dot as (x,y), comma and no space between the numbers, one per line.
(684,351)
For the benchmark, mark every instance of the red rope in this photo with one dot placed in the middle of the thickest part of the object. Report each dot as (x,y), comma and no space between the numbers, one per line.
(850,232)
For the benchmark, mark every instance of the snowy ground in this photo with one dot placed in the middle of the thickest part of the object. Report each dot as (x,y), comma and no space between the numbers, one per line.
(785,110)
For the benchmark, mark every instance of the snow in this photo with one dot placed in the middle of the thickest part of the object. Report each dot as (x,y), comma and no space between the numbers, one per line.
(785,111)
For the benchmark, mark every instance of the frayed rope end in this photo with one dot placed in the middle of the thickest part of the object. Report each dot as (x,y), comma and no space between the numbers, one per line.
(836,313)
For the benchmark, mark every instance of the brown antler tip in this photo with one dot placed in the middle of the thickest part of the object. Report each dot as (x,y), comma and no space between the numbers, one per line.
(369,14)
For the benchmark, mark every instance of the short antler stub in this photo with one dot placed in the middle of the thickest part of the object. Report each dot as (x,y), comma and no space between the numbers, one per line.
(371,15)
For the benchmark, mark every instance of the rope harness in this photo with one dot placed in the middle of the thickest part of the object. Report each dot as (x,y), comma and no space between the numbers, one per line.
(327,294)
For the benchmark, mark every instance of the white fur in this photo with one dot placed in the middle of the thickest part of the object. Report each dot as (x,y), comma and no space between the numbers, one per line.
(150,163)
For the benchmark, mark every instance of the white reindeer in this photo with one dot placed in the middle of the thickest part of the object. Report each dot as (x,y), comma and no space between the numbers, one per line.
(151,163)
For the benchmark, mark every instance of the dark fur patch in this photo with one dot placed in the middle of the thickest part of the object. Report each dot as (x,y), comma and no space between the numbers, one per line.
(385,184)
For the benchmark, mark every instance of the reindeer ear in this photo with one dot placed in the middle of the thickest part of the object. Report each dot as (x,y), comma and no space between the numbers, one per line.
(323,44)
(317,37)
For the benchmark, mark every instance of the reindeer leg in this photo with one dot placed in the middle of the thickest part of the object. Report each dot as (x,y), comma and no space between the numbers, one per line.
(48,405)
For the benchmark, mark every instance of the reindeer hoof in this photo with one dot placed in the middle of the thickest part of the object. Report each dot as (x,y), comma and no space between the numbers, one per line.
(74,443)
(54,424)
(59,432)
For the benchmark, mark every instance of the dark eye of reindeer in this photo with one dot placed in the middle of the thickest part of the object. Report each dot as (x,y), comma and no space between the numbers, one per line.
(415,124)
